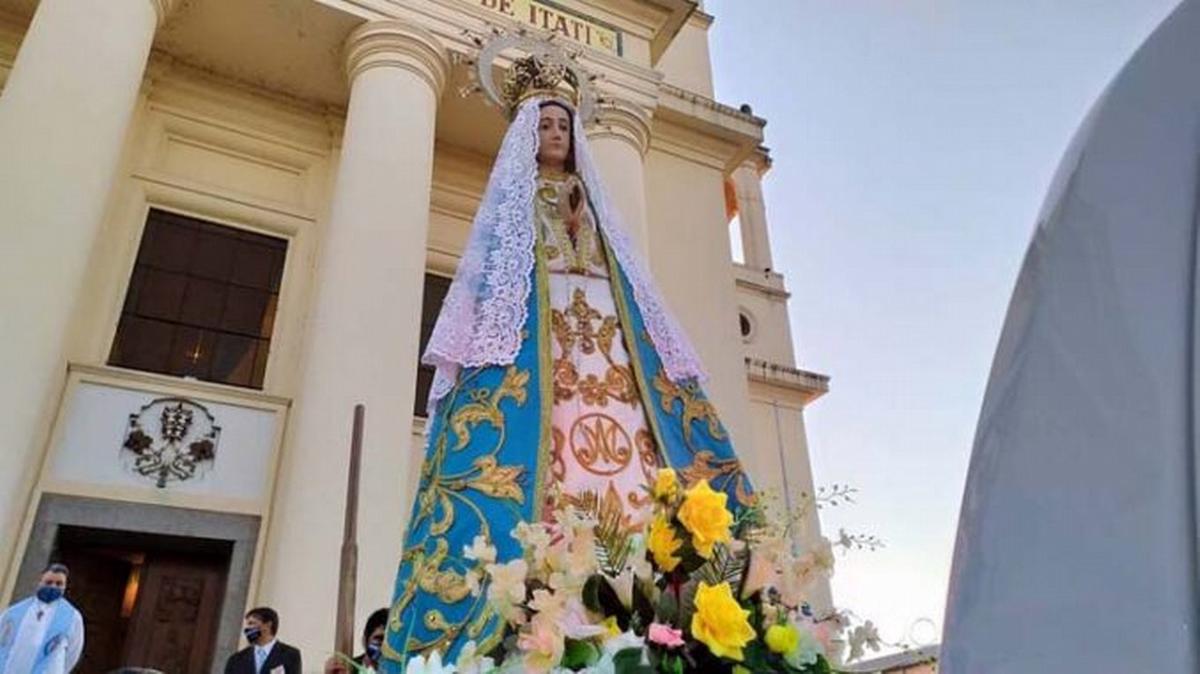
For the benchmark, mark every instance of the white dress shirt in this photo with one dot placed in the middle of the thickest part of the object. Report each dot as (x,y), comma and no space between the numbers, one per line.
(261,653)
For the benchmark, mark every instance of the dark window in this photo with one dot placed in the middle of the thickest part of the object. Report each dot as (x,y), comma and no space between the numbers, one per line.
(435,293)
(745,325)
(201,301)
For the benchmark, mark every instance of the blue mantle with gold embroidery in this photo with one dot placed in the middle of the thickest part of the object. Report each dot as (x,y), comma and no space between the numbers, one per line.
(484,472)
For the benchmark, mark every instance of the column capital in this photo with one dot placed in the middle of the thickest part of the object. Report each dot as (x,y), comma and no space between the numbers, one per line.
(624,120)
(397,44)
(163,8)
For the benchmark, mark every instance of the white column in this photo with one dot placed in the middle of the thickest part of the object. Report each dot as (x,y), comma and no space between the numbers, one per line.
(64,114)
(362,339)
(619,141)
(752,215)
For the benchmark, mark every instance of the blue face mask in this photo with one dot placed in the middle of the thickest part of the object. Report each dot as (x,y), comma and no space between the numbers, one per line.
(373,652)
(49,594)
(252,634)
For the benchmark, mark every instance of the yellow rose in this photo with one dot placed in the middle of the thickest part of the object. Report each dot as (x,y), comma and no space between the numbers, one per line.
(666,484)
(663,544)
(720,622)
(704,514)
(782,639)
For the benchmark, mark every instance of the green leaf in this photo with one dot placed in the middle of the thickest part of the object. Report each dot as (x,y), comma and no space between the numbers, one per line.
(629,661)
(600,597)
(642,605)
(579,654)
(591,593)
(671,664)
(668,608)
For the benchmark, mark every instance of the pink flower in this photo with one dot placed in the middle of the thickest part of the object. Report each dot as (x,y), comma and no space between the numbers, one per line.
(542,642)
(665,635)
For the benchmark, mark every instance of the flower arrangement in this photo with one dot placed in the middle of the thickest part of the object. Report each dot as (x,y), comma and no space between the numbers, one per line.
(696,589)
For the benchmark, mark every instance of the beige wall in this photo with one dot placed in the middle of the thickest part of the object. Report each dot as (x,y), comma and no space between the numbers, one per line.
(686,63)
(782,465)
(690,258)
(763,298)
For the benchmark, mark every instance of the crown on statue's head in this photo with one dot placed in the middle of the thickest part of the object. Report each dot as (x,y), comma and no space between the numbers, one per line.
(537,75)
(545,70)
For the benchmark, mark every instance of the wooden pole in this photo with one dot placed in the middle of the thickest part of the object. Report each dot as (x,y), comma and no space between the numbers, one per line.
(348,578)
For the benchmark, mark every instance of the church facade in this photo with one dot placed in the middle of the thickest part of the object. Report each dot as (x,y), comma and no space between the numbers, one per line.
(227,222)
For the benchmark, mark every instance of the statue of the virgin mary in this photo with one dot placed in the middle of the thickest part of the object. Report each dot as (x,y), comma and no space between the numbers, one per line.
(562,381)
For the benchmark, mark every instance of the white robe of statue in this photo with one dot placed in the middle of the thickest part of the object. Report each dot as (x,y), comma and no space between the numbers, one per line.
(1077,543)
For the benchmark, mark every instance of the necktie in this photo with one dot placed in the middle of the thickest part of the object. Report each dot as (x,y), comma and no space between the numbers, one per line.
(260,656)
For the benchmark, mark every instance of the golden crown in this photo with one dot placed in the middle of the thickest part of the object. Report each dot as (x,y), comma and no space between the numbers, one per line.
(535,75)
(545,70)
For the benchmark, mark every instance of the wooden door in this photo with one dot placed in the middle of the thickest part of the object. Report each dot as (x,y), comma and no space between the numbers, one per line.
(96,587)
(174,623)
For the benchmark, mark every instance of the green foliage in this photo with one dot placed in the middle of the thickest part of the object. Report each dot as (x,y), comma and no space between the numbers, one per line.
(629,661)
(579,654)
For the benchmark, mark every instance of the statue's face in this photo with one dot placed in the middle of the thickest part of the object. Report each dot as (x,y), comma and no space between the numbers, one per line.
(554,136)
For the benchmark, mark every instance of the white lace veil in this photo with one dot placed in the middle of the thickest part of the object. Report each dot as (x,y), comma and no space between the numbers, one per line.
(487,305)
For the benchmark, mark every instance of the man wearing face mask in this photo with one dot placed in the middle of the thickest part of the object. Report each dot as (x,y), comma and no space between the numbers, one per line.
(42,634)
(265,655)
(372,640)
(372,636)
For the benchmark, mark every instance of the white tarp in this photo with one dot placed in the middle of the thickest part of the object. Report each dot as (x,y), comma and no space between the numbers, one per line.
(1077,543)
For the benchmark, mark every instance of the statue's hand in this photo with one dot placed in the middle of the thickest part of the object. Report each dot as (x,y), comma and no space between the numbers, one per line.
(572,204)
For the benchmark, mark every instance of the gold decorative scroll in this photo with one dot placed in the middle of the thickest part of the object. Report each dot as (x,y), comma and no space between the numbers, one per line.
(555,18)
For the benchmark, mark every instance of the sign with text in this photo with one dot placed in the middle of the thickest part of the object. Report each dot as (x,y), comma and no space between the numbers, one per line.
(566,22)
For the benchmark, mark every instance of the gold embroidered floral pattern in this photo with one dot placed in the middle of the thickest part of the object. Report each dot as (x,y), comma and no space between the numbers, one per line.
(618,384)
(485,405)
(648,453)
(502,482)
(719,473)
(581,254)
(608,510)
(447,585)
(576,325)
(695,405)
(581,326)
(441,501)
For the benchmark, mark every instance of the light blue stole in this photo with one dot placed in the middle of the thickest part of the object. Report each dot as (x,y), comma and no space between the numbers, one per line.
(58,630)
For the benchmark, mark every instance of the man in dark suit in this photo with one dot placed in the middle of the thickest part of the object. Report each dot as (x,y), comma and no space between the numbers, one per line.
(266,654)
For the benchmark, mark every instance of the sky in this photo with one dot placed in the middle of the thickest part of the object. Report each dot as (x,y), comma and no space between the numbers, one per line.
(913,143)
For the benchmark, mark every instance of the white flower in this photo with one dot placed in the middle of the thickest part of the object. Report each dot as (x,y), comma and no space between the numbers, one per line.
(862,637)
(623,586)
(534,539)
(419,665)
(512,665)
(807,650)
(822,555)
(473,578)
(479,550)
(472,662)
(638,562)
(576,623)
(622,641)
(507,590)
